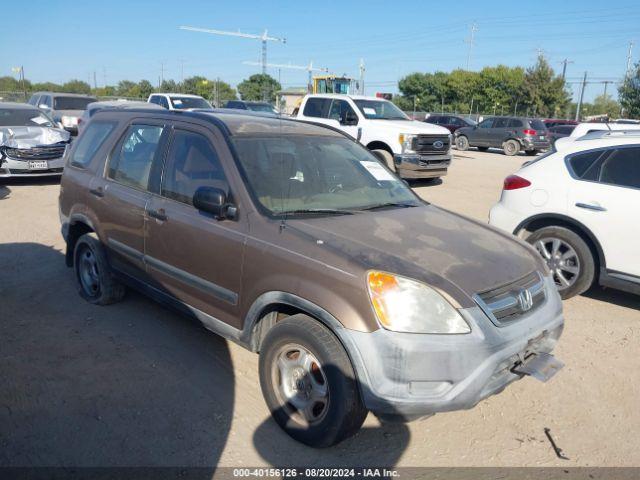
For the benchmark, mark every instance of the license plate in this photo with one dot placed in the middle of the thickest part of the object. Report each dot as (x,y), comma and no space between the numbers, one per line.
(42,165)
(541,137)
(541,366)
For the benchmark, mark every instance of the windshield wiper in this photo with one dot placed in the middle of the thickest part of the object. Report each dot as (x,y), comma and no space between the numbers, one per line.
(316,211)
(389,205)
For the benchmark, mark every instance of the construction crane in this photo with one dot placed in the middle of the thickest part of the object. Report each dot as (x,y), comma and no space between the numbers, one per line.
(309,68)
(264,38)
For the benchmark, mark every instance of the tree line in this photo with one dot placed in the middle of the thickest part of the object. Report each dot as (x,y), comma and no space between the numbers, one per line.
(535,91)
(256,87)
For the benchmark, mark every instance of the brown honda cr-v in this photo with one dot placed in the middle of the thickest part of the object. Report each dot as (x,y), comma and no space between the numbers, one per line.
(294,241)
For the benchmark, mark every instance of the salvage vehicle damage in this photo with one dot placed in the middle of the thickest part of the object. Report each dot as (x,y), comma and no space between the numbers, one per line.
(30,145)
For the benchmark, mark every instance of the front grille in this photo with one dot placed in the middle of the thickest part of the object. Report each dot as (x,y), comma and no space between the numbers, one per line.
(507,303)
(433,163)
(431,144)
(20,171)
(47,152)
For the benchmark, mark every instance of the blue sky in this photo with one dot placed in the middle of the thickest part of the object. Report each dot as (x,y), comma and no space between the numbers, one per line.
(60,40)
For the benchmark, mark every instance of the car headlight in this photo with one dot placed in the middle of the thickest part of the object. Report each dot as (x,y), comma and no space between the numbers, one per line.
(406,142)
(405,305)
(68,121)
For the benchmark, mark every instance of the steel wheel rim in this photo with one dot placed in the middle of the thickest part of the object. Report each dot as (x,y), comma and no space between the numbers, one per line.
(461,142)
(88,272)
(300,384)
(562,260)
(510,147)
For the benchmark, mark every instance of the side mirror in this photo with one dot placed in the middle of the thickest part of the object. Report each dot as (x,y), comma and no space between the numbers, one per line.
(350,119)
(214,201)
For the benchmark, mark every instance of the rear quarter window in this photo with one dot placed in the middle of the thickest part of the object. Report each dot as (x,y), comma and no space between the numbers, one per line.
(89,142)
(585,166)
(316,107)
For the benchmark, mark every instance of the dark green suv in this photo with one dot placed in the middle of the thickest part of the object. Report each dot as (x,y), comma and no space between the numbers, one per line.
(511,134)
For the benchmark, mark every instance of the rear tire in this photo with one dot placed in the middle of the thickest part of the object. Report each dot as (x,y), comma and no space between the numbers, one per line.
(511,148)
(568,257)
(308,382)
(462,143)
(93,274)
(385,157)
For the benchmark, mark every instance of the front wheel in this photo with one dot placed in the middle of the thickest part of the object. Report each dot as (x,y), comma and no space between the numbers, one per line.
(385,157)
(462,143)
(308,382)
(568,257)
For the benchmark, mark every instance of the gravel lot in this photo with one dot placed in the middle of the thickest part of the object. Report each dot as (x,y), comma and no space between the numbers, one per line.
(134,384)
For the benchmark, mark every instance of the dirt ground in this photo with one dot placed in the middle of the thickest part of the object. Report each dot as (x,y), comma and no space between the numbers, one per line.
(134,384)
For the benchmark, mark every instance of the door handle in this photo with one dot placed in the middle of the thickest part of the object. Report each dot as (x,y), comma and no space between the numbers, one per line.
(98,192)
(590,206)
(158,214)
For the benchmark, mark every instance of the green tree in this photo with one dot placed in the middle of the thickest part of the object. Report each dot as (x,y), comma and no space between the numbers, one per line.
(602,105)
(545,92)
(124,88)
(76,86)
(145,89)
(259,87)
(169,86)
(46,87)
(629,93)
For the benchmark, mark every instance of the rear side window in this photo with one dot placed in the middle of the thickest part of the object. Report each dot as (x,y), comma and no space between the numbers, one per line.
(622,168)
(585,165)
(316,107)
(192,163)
(33,100)
(132,163)
(89,142)
(515,123)
(537,124)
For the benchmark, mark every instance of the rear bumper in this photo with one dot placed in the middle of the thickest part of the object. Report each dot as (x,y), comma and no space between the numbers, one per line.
(421,166)
(412,375)
(20,168)
(531,144)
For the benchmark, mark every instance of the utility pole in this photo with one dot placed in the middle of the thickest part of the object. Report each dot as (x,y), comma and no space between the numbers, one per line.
(362,69)
(470,41)
(564,63)
(95,81)
(584,83)
(161,73)
(104,76)
(182,74)
(606,82)
(629,58)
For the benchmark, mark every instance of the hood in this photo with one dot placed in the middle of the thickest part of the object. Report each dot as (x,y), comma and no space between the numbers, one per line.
(426,243)
(28,137)
(413,126)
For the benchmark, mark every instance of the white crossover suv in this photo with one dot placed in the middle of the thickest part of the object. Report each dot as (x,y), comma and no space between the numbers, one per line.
(579,206)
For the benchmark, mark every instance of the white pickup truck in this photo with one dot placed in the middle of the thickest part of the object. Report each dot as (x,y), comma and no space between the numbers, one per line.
(413,149)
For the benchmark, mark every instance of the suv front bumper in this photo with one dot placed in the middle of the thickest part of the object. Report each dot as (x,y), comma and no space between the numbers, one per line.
(407,376)
(413,165)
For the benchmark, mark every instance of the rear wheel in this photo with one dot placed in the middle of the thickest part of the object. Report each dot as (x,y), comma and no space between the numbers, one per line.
(568,257)
(511,147)
(385,157)
(308,382)
(462,143)
(93,274)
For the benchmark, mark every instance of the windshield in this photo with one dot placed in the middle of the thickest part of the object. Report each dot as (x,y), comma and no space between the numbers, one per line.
(24,117)
(296,174)
(261,107)
(181,103)
(72,103)
(380,110)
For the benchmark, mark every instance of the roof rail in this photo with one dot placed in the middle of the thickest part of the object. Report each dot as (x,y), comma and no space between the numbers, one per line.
(611,134)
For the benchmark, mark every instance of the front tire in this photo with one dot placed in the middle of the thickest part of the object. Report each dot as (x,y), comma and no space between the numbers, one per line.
(462,143)
(385,157)
(308,382)
(93,273)
(511,148)
(568,257)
